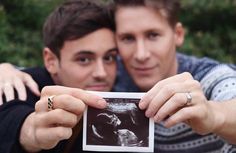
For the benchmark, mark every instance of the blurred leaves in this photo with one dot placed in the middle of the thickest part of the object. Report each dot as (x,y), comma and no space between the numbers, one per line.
(210,29)
(20,33)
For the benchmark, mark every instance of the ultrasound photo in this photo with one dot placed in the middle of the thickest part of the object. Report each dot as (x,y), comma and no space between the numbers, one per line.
(122,125)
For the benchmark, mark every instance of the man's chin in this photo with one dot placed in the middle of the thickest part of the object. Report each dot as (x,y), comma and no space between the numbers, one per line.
(145,84)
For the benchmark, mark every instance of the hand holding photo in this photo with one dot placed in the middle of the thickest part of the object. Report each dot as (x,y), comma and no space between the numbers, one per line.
(121,127)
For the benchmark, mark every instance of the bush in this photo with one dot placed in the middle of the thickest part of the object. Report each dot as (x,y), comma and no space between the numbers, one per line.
(22,21)
(211,28)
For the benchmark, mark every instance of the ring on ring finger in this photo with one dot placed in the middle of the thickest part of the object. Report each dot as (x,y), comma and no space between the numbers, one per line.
(189,98)
(50,102)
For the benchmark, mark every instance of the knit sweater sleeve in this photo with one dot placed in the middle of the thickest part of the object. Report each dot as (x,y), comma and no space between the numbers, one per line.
(12,116)
(219,84)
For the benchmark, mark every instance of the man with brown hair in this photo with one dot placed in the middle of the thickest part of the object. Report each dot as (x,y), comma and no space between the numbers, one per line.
(80,52)
(188,98)
(148,33)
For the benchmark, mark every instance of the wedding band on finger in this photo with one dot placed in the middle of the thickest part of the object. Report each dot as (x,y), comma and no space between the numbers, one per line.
(50,102)
(189,98)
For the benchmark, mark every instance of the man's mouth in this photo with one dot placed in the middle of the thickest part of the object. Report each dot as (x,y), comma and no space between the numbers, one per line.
(143,70)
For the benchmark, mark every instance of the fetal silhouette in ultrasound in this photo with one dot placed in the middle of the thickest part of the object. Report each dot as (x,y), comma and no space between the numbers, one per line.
(122,123)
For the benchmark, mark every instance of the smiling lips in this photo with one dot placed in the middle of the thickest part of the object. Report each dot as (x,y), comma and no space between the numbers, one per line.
(144,70)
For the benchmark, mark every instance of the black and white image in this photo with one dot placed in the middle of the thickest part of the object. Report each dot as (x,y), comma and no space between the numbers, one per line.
(122,126)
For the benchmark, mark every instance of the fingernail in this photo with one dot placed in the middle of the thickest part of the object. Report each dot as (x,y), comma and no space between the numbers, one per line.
(148,114)
(141,105)
(102,103)
(157,119)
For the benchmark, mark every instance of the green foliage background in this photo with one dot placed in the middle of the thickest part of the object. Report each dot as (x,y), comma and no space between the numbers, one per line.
(210,29)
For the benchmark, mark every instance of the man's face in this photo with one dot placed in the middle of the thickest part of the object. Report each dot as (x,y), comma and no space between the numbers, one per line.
(147,44)
(88,63)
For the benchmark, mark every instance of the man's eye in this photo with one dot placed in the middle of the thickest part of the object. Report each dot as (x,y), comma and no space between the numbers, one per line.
(84,60)
(127,39)
(110,58)
(152,35)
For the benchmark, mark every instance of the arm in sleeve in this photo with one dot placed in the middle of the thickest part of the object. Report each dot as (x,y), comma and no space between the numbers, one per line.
(219,86)
(12,116)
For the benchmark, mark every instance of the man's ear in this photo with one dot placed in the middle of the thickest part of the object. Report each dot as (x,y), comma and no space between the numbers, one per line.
(51,61)
(179,34)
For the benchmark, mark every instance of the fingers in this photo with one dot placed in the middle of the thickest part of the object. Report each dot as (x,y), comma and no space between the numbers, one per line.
(177,99)
(192,117)
(168,92)
(17,84)
(87,98)
(180,78)
(180,116)
(198,113)
(64,102)
(55,125)
(20,89)
(8,90)
(44,130)
(171,106)
(33,86)
(48,138)
(12,78)
(57,117)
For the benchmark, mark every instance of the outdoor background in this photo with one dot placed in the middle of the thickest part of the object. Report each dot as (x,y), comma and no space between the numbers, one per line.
(210,27)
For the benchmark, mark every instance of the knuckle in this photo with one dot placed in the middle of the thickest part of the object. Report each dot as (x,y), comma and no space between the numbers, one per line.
(37,106)
(171,121)
(187,75)
(39,120)
(59,133)
(148,97)
(185,112)
(188,113)
(169,89)
(58,113)
(45,90)
(74,91)
(196,83)
(74,120)
(64,97)
(27,76)
(63,133)
(68,133)
(82,107)
(179,99)
(161,113)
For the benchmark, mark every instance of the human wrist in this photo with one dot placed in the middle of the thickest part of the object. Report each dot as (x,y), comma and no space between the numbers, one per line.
(226,130)
(219,117)
(27,135)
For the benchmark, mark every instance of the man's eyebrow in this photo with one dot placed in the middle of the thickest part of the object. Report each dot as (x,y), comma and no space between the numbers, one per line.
(92,53)
(115,49)
(87,52)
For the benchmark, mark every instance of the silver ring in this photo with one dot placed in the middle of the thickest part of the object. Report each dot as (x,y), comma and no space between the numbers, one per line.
(189,98)
(50,102)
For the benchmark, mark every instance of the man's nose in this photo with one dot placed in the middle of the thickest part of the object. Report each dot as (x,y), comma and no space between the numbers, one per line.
(142,53)
(99,71)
